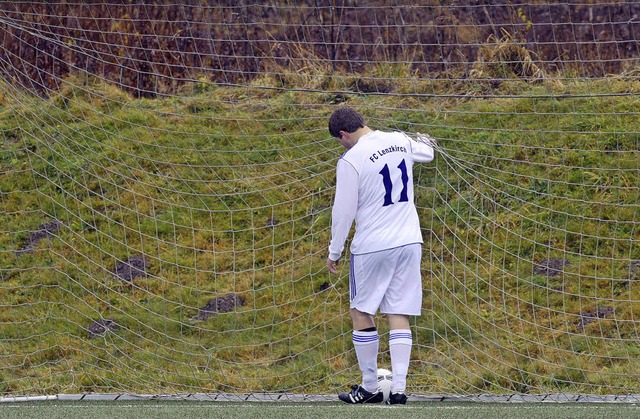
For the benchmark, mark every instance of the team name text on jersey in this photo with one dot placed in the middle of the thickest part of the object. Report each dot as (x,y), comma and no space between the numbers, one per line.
(393,148)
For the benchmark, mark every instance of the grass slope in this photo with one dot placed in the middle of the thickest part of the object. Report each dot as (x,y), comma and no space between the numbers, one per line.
(228,190)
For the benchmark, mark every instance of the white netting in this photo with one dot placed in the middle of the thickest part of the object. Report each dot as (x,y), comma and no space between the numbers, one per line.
(167,179)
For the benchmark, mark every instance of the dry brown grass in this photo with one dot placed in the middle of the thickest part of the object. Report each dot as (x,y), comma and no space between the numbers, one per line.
(506,58)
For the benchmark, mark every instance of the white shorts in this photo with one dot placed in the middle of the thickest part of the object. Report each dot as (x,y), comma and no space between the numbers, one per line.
(389,280)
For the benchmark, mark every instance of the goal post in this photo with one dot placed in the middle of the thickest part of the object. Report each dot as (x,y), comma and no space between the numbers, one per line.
(167,180)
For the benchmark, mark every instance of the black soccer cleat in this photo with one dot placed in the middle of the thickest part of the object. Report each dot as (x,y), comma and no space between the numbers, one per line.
(360,395)
(397,398)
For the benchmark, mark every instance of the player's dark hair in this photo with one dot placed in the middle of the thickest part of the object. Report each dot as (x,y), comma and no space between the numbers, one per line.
(345,119)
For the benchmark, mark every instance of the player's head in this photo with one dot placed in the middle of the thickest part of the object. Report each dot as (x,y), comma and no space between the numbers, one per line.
(345,119)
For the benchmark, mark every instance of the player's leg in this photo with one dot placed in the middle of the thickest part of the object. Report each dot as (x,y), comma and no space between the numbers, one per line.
(400,344)
(403,298)
(366,343)
(365,297)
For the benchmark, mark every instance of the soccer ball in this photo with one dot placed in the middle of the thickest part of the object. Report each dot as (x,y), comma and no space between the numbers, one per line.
(384,382)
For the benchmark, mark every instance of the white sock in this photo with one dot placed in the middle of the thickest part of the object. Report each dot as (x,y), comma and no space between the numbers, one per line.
(400,341)
(366,345)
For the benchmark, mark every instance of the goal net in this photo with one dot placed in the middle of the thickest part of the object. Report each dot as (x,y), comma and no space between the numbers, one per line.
(167,179)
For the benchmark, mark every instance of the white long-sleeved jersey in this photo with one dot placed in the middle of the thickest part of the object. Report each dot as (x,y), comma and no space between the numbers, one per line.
(374,186)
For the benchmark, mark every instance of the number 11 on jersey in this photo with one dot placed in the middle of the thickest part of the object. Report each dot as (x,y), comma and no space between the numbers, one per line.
(388,185)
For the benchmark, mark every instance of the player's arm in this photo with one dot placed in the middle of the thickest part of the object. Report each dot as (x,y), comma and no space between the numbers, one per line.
(423,147)
(343,213)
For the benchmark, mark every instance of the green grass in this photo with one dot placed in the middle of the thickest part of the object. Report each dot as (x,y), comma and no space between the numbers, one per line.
(174,409)
(195,182)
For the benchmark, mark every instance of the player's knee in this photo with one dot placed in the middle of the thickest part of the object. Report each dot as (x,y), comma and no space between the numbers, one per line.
(398,321)
(361,320)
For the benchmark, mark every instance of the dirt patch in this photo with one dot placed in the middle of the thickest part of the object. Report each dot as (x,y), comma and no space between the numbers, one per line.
(323,286)
(44,231)
(134,267)
(550,267)
(591,316)
(220,305)
(272,222)
(102,326)
(634,269)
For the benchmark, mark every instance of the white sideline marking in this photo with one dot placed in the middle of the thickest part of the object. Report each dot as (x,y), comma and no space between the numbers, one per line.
(421,407)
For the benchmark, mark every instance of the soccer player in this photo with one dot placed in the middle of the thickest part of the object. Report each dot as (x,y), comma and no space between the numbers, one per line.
(374,187)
